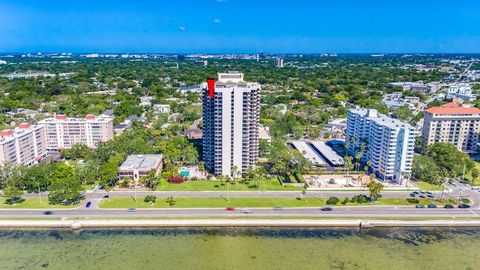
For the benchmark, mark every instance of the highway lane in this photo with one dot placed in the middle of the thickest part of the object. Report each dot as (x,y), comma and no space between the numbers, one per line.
(344,211)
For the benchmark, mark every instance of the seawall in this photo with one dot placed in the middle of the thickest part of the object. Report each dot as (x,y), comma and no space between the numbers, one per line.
(85,224)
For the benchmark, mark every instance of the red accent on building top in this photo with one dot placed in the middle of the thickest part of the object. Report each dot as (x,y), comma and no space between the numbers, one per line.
(61,117)
(90,116)
(24,125)
(6,132)
(211,87)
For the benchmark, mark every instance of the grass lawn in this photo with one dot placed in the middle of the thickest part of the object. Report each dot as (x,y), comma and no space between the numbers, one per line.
(33,203)
(427,186)
(238,202)
(468,176)
(209,185)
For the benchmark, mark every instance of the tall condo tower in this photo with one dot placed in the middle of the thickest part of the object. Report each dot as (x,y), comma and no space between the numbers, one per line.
(231,112)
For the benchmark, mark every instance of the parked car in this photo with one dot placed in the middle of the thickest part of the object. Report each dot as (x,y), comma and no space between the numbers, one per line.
(463,205)
(422,196)
(448,206)
(131,210)
(432,205)
(87,205)
(413,194)
(419,206)
(327,209)
(229,209)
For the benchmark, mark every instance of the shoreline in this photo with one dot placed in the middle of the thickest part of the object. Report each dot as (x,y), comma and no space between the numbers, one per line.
(293,223)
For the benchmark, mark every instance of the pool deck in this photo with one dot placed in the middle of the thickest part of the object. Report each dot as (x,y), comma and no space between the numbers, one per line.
(86,224)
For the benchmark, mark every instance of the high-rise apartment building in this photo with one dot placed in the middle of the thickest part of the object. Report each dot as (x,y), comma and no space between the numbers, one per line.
(231,112)
(24,145)
(386,142)
(279,62)
(452,123)
(63,132)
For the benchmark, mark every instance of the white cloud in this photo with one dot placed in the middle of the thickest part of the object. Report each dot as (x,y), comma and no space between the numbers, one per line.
(217,21)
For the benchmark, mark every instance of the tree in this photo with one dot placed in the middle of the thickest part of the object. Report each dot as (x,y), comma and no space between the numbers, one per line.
(425,169)
(150,180)
(374,187)
(333,201)
(65,187)
(348,163)
(77,151)
(150,199)
(447,156)
(171,201)
(13,194)
(475,174)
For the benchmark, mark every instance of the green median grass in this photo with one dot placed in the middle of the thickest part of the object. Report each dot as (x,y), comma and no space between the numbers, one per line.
(33,203)
(209,185)
(427,186)
(221,202)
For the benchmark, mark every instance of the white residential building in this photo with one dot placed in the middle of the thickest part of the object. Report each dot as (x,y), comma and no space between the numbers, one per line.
(24,145)
(63,132)
(231,112)
(463,91)
(388,143)
(161,108)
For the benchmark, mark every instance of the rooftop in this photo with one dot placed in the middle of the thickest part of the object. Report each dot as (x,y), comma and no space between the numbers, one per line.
(453,108)
(141,162)
(381,119)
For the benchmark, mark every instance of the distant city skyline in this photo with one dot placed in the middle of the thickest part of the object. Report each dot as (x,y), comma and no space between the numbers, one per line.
(246,26)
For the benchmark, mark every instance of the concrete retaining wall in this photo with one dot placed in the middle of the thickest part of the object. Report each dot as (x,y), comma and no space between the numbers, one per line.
(75,225)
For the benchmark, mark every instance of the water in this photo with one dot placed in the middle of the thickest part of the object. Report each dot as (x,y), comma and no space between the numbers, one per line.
(267,248)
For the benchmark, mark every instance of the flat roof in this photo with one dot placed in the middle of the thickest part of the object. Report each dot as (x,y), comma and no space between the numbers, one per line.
(308,152)
(141,162)
(328,153)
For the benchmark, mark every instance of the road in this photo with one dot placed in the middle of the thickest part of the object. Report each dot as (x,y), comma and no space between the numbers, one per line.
(343,211)
(456,190)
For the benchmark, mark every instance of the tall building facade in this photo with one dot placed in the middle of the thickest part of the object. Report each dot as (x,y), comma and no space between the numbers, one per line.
(25,145)
(231,112)
(386,142)
(63,132)
(452,123)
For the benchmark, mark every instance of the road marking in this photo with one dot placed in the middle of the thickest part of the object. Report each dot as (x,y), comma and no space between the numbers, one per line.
(471,211)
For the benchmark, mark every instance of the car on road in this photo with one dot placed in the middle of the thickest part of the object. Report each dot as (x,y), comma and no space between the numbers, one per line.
(246,211)
(87,205)
(463,205)
(448,206)
(429,193)
(432,205)
(48,213)
(230,209)
(422,196)
(327,209)
(419,206)
(131,210)
(430,196)
(413,194)
(278,208)
(106,196)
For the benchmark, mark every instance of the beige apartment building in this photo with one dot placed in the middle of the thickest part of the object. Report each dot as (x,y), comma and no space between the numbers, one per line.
(24,145)
(63,132)
(452,123)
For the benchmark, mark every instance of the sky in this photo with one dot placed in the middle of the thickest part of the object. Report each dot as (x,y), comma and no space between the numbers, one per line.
(241,26)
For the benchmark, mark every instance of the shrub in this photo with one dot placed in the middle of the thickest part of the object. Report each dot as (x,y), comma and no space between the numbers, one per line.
(333,201)
(150,199)
(359,199)
(413,200)
(176,179)
(345,201)
(465,200)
